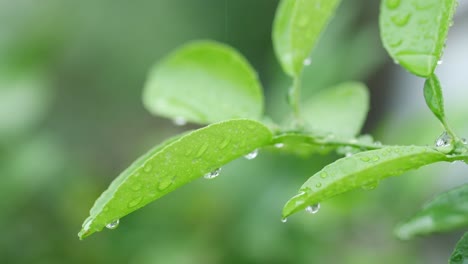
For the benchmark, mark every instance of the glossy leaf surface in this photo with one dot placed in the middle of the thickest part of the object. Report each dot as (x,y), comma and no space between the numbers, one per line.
(204,82)
(448,211)
(298,25)
(360,170)
(460,254)
(340,110)
(434,97)
(414,32)
(173,164)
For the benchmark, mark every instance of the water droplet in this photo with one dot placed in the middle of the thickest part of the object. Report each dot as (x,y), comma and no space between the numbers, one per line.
(401,19)
(279,145)
(135,202)
(213,174)
(224,143)
(395,42)
(284,220)
(464,141)
(313,209)
(202,150)
(252,155)
(422,4)
(439,62)
(443,140)
(370,186)
(148,167)
(318,185)
(307,62)
(179,121)
(323,174)
(365,159)
(396,62)
(348,154)
(113,225)
(165,183)
(375,158)
(392,4)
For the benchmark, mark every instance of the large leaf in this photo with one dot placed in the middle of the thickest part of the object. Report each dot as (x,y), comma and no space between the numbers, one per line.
(173,164)
(363,169)
(460,254)
(340,110)
(297,27)
(414,32)
(448,211)
(204,82)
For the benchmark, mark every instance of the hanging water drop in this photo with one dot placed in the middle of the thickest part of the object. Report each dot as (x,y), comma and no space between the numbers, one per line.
(113,225)
(464,141)
(313,209)
(284,220)
(252,155)
(307,62)
(443,140)
(179,121)
(279,145)
(212,174)
(439,62)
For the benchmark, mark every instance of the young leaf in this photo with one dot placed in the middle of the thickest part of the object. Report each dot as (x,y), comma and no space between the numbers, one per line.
(414,32)
(448,211)
(204,82)
(297,27)
(460,254)
(360,170)
(340,110)
(173,164)
(434,97)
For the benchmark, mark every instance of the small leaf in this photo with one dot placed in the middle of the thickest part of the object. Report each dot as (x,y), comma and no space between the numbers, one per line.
(361,169)
(296,29)
(204,82)
(446,212)
(460,254)
(173,164)
(434,97)
(414,32)
(340,110)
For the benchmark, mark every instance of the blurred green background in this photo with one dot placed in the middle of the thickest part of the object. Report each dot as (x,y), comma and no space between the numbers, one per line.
(71,118)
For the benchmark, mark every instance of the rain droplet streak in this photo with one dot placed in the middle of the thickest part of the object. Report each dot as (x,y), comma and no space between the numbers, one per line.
(202,150)
(443,140)
(307,62)
(279,145)
(113,225)
(392,4)
(252,155)
(212,174)
(313,209)
(179,121)
(224,143)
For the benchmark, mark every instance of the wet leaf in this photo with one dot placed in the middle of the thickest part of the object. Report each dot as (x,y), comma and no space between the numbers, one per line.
(434,97)
(447,211)
(360,170)
(298,25)
(204,82)
(460,254)
(173,164)
(414,32)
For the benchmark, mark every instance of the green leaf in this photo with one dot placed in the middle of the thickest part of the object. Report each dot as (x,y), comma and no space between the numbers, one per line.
(460,254)
(204,82)
(173,164)
(414,32)
(363,169)
(340,110)
(296,29)
(434,97)
(446,212)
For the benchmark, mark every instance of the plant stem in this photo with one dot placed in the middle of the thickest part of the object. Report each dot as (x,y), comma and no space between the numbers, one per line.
(294,100)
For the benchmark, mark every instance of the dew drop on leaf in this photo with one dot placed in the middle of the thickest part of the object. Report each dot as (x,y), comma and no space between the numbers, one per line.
(279,145)
(323,175)
(179,121)
(284,220)
(307,62)
(212,174)
(443,140)
(313,209)
(439,62)
(252,155)
(113,225)
(392,4)
(148,168)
